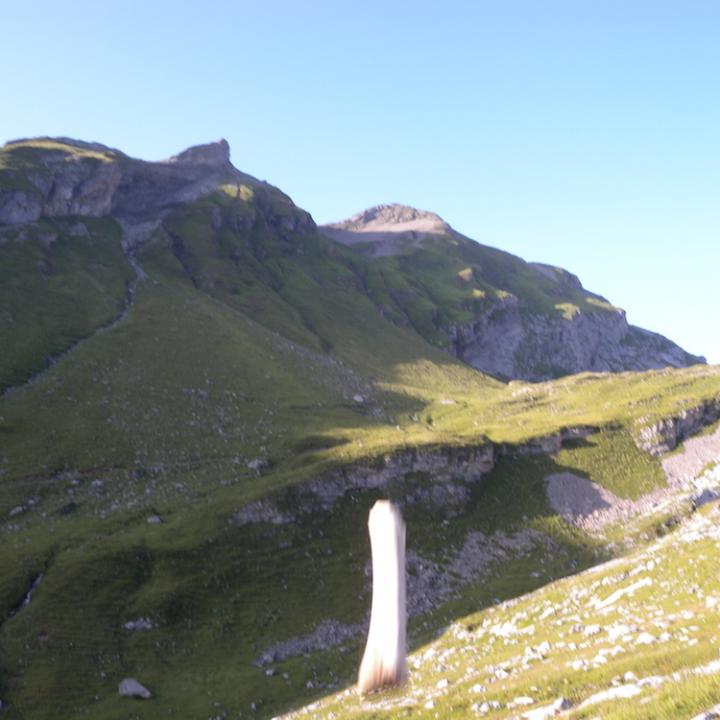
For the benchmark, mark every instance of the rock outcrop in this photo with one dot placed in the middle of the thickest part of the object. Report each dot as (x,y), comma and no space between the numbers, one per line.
(510,342)
(665,435)
(441,477)
(387,229)
(62,177)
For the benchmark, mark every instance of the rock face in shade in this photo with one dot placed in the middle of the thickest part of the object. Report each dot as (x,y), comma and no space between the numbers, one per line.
(534,322)
(61,177)
(71,177)
(384,662)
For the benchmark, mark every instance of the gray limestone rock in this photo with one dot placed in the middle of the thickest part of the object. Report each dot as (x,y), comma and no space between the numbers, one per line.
(130,687)
(510,342)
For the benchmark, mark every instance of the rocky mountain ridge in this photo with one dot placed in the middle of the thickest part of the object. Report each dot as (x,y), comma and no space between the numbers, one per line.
(501,315)
(62,177)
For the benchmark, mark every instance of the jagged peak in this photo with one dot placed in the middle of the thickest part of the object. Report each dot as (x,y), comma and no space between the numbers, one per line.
(393,218)
(214,153)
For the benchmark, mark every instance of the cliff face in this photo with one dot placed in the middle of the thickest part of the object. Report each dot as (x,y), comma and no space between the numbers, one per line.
(510,342)
(61,177)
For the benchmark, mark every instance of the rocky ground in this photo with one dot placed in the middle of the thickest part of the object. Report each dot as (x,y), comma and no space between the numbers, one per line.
(590,507)
(634,637)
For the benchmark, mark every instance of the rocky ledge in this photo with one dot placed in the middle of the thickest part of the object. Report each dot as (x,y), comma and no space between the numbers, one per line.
(665,435)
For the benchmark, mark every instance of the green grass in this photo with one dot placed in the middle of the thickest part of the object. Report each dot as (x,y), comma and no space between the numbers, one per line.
(249,342)
(56,288)
(612,460)
(682,574)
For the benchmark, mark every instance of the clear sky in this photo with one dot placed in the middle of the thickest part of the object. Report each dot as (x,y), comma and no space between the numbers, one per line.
(583,133)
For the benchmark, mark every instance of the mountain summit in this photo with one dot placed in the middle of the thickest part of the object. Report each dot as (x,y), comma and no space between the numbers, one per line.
(393,218)
(216,153)
(387,229)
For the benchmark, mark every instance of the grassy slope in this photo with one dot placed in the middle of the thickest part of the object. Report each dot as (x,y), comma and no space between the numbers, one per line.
(167,410)
(56,288)
(550,654)
(449,280)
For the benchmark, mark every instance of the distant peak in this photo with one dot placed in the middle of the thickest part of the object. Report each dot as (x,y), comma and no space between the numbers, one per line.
(394,218)
(215,153)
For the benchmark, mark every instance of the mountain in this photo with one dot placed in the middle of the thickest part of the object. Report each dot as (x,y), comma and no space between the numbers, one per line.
(501,315)
(498,313)
(202,396)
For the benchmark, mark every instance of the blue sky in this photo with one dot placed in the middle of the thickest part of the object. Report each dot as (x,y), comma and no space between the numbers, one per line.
(584,134)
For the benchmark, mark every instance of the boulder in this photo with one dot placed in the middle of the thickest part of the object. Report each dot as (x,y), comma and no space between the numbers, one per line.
(130,687)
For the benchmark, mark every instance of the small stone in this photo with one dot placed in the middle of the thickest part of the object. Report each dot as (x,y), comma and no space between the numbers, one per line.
(17,510)
(487,706)
(548,711)
(130,687)
(270,672)
(619,631)
(592,630)
(430,704)
(358,398)
(645,638)
(154,520)
(442,684)
(139,624)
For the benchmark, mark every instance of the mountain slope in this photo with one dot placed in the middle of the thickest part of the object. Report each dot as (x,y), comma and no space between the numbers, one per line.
(196,437)
(501,315)
(633,638)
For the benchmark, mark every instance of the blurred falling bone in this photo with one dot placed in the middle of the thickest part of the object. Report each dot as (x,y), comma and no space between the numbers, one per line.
(384,663)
